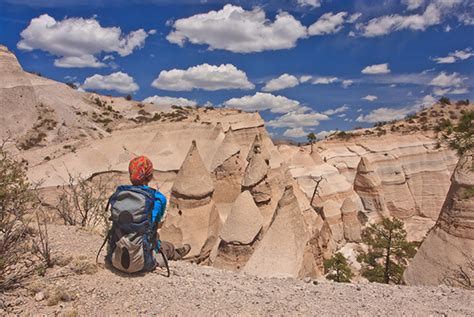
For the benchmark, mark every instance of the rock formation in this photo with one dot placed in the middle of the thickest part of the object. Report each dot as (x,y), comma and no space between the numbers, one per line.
(255,176)
(368,186)
(283,249)
(192,215)
(447,253)
(331,212)
(239,233)
(352,227)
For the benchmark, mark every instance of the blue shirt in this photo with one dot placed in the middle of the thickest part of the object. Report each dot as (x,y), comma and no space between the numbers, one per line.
(160,206)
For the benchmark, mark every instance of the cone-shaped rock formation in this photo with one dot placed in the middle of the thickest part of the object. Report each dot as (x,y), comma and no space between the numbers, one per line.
(352,228)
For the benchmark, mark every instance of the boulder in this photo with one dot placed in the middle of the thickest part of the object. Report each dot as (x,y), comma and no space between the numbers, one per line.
(351,224)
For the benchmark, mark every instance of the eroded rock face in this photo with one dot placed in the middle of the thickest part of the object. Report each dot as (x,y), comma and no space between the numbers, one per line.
(255,176)
(192,216)
(368,186)
(449,246)
(332,214)
(283,251)
(351,224)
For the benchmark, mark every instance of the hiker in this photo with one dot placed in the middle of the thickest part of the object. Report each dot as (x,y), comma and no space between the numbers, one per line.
(137,211)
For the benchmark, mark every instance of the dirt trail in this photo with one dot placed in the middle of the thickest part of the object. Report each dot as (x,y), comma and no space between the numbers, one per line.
(197,290)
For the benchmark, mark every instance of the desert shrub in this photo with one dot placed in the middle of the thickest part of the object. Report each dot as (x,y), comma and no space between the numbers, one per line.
(444,101)
(462,102)
(461,137)
(41,243)
(128,97)
(72,85)
(83,202)
(16,201)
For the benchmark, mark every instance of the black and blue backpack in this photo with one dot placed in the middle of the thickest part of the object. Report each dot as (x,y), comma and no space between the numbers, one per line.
(132,237)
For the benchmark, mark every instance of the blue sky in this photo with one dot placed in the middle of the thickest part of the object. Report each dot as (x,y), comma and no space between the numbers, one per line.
(344,63)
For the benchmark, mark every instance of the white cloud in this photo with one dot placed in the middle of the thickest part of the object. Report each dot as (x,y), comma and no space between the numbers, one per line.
(386,114)
(448,91)
(296,119)
(295,133)
(323,134)
(265,101)
(78,62)
(169,101)
(282,82)
(455,56)
(204,76)
(305,78)
(432,15)
(324,80)
(376,69)
(354,17)
(370,98)
(342,115)
(328,23)
(446,80)
(413,4)
(359,110)
(118,81)
(330,112)
(389,114)
(76,40)
(310,3)
(346,83)
(234,29)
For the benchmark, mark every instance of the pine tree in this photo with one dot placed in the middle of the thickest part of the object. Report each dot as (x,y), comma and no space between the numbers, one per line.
(338,269)
(311,139)
(388,252)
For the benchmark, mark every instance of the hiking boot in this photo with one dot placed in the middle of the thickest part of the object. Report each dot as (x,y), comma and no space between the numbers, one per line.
(183,251)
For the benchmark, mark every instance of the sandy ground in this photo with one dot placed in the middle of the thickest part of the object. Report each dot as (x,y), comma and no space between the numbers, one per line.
(196,290)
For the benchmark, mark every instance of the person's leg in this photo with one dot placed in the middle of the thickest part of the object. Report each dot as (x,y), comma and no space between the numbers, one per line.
(172,253)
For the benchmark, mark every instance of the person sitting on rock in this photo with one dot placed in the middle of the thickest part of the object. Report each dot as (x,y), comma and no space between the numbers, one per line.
(137,210)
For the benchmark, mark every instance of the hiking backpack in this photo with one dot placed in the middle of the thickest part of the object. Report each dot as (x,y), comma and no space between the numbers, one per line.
(132,237)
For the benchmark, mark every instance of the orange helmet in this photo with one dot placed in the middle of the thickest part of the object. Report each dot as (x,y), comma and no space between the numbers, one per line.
(140,170)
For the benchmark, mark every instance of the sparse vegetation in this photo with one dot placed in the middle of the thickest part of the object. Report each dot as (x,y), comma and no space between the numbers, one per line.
(444,101)
(311,139)
(460,137)
(388,252)
(337,269)
(83,202)
(128,97)
(16,201)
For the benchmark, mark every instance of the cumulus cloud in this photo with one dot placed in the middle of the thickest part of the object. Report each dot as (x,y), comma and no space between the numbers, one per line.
(413,4)
(370,98)
(118,81)
(455,56)
(169,101)
(432,15)
(331,112)
(265,101)
(323,80)
(323,134)
(328,23)
(450,91)
(376,69)
(282,82)
(234,29)
(204,76)
(447,80)
(295,133)
(389,114)
(305,78)
(310,3)
(76,40)
(296,119)
(346,83)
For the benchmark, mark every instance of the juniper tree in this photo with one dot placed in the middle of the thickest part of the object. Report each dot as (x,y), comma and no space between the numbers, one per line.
(338,269)
(388,251)
(311,139)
